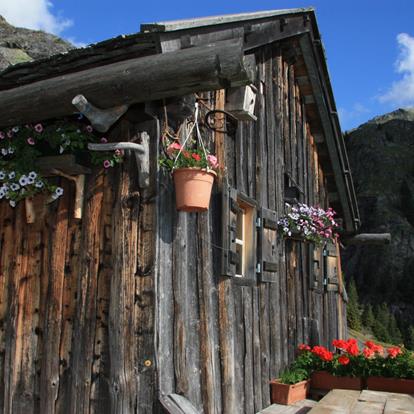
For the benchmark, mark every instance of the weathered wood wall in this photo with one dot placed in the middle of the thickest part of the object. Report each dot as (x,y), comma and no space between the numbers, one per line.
(218,342)
(76,300)
(104,314)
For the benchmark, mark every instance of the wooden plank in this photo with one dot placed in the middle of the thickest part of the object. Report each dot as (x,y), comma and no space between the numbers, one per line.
(209,335)
(368,407)
(85,321)
(177,404)
(257,368)
(248,349)
(239,345)
(100,395)
(227,347)
(399,404)
(374,396)
(164,296)
(135,80)
(337,402)
(186,338)
(50,366)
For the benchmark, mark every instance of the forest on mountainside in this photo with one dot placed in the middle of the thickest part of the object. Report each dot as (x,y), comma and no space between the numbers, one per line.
(381,155)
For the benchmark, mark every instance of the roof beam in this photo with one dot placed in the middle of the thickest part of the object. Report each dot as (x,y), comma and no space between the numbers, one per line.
(331,134)
(196,69)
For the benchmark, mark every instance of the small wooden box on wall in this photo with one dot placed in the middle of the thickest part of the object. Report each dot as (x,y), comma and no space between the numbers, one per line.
(240,102)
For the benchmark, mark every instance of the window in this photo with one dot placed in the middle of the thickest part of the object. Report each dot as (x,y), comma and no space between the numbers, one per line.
(250,244)
(239,236)
(245,240)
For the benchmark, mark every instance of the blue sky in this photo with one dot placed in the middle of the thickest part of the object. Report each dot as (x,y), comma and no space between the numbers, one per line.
(369,44)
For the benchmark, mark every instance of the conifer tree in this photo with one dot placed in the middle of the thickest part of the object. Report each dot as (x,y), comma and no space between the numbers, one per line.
(368,318)
(382,322)
(394,331)
(353,311)
(409,343)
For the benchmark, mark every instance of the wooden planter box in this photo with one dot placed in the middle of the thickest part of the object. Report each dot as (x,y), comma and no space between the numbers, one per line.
(402,385)
(325,381)
(288,393)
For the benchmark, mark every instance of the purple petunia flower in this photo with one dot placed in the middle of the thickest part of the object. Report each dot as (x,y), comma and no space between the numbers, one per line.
(38,128)
(107,164)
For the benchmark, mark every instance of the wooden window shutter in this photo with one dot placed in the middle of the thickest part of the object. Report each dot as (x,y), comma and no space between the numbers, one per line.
(331,263)
(315,267)
(268,252)
(230,208)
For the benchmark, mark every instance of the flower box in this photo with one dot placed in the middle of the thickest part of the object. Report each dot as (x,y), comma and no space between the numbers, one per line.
(288,393)
(323,380)
(402,385)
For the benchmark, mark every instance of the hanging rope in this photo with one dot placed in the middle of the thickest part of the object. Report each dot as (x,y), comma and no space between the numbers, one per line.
(199,138)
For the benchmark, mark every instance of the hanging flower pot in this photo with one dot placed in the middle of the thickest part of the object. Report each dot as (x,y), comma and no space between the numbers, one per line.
(193,188)
(192,167)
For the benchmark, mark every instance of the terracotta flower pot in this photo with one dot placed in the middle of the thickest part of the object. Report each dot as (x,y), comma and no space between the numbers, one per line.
(402,385)
(323,380)
(288,393)
(193,189)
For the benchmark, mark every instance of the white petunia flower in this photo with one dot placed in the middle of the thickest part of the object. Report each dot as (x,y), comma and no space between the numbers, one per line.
(14,186)
(39,184)
(32,175)
(12,203)
(12,174)
(23,180)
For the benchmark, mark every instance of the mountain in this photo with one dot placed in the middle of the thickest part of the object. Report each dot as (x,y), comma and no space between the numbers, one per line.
(21,45)
(381,155)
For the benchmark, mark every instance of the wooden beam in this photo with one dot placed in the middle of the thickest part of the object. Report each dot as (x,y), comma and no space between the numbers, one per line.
(367,238)
(332,136)
(215,66)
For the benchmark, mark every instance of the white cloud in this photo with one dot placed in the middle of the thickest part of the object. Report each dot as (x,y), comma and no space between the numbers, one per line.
(33,14)
(402,91)
(355,114)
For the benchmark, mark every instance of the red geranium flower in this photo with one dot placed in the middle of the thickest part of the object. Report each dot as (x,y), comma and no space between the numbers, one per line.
(368,352)
(352,349)
(374,347)
(196,156)
(339,343)
(344,360)
(322,353)
(394,351)
(304,347)
(186,154)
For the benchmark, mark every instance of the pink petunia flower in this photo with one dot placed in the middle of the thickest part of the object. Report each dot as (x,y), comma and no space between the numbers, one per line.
(175,146)
(38,128)
(212,160)
(107,164)
(2,135)
(89,128)
(31,141)
(104,140)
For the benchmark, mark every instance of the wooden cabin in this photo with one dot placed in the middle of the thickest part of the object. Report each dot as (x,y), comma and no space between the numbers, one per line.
(111,301)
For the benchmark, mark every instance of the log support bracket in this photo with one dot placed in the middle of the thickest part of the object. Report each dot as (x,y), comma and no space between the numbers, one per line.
(141,154)
(367,238)
(101,119)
